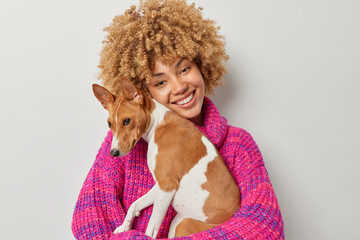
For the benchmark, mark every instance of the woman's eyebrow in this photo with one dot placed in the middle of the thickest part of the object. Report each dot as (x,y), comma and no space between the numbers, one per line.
(179,63)
(157,74)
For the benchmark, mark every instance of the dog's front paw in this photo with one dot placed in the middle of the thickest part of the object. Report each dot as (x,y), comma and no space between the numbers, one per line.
(152,232)
(128,220)
(122,228)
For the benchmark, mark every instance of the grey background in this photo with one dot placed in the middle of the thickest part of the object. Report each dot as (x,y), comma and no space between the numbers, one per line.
(292,82)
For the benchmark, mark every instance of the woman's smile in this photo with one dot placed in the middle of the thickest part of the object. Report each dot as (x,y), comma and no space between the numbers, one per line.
(185,101)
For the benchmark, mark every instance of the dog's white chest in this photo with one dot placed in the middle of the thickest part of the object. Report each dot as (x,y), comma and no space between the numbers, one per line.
(156,118)
(151,157)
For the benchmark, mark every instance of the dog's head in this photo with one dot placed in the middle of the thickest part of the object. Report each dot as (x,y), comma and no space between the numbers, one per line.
(128,117)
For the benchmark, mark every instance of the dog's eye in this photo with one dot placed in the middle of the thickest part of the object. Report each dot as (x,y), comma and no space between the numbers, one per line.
(126,121)
(109,124)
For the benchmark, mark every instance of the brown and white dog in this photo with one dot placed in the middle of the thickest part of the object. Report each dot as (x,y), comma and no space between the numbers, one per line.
(188,170)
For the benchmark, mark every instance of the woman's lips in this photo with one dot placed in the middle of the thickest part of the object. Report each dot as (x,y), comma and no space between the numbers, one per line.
(185,100)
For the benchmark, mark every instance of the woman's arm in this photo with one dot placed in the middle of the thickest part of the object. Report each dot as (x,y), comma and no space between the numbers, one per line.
(98,210)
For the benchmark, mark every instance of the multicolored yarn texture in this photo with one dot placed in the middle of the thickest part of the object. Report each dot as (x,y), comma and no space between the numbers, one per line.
(114,183)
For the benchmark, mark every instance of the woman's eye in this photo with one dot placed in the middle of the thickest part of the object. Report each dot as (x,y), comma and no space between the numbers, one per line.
(159,84)
(185,69)
(126,121)
(109,124)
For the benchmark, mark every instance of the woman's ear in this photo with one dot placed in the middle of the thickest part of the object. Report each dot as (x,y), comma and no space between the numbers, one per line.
(103,95)
(130,92)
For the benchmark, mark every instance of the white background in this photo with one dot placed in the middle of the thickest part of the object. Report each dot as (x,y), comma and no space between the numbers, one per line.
(292,82)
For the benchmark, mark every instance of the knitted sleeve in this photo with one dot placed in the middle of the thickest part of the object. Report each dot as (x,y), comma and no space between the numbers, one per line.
(98,210)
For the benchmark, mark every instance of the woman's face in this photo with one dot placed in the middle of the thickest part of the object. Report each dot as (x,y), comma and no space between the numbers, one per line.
(180,87)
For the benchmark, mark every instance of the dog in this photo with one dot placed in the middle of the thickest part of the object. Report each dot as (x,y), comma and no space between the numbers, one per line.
(188,170)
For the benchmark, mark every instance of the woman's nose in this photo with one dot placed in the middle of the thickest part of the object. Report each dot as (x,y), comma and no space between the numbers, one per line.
(179,86)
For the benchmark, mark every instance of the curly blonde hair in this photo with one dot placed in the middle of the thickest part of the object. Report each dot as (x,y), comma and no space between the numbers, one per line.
(160,30)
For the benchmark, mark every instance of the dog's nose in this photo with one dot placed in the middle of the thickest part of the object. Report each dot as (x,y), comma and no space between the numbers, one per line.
(114,152)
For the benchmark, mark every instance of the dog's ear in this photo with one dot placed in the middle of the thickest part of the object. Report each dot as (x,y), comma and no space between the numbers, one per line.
(103,95)
(130,92)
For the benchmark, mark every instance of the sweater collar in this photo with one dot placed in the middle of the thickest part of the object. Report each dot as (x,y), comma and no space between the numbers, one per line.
(215,126)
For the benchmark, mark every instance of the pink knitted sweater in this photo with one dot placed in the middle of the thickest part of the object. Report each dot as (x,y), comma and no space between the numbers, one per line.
(113,183)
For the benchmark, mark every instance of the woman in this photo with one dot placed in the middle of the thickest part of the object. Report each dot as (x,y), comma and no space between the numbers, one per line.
(172,53)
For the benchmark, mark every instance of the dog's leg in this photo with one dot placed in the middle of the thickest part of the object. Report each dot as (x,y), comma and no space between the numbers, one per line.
(161,205)
(135,208)
(178,218)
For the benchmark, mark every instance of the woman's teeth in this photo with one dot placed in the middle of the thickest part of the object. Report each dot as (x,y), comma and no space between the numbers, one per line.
(186,100)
